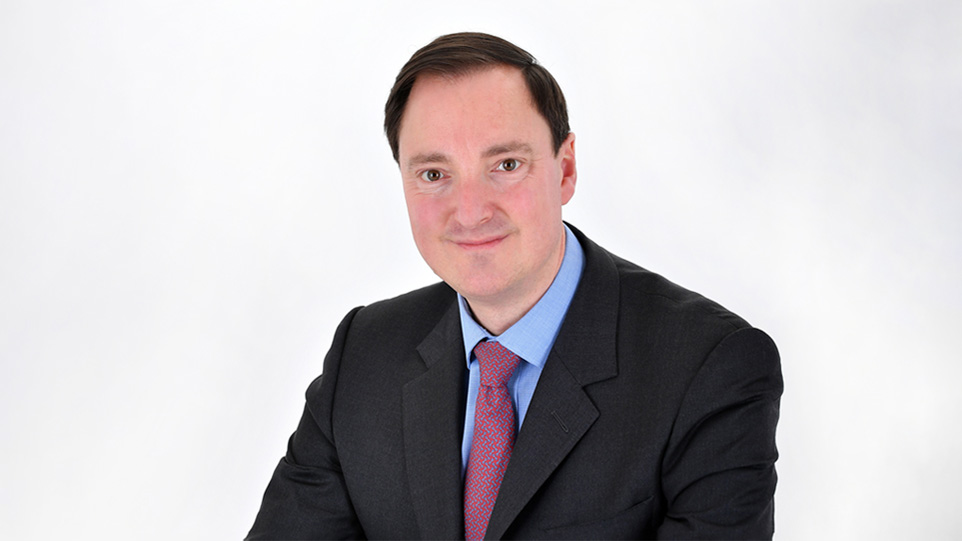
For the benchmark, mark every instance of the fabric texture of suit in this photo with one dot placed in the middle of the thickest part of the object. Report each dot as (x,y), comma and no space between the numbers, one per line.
(654,417)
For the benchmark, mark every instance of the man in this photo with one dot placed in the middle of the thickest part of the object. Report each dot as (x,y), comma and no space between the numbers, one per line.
(545,389)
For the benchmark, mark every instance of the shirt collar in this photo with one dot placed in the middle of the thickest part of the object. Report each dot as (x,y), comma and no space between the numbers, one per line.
(533,335)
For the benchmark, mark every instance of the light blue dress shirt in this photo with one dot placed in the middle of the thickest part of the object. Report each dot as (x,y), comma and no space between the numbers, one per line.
(530,338)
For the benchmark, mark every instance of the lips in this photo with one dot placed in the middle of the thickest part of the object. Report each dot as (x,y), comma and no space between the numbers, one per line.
(479,244)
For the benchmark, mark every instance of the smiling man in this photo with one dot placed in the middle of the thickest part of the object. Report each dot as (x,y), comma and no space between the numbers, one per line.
(546,388)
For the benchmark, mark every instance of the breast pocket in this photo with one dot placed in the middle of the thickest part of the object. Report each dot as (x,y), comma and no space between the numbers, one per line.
(631,523)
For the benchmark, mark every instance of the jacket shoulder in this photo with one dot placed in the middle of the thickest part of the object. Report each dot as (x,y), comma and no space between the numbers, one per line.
(405,319)
(642,289)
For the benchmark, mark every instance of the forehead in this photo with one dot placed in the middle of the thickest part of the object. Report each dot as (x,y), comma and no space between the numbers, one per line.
(502,78)
(479,108)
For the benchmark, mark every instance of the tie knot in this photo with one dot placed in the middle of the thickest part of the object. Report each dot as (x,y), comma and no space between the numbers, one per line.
(497,363)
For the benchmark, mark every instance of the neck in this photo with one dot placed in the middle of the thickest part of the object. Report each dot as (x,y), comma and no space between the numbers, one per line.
(497,319)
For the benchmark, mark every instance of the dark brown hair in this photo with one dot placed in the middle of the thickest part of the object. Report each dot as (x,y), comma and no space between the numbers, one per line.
(466,52)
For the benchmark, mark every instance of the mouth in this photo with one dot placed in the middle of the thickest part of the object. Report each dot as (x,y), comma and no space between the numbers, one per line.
(479,244)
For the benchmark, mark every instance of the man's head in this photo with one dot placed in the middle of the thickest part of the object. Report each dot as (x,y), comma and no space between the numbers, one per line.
(484,181)
(458,54)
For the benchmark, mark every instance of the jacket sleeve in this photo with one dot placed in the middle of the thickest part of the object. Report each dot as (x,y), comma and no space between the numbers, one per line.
(719,468)
(307,497)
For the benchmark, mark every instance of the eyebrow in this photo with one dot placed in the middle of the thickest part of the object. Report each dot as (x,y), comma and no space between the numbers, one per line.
(421,159)
(490,152)
(507,148)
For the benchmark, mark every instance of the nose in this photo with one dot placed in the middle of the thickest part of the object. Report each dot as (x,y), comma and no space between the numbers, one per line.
(472,200)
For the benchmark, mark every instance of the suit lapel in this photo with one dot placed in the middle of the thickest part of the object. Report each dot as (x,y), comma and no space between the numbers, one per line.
(561,412)
(433,405)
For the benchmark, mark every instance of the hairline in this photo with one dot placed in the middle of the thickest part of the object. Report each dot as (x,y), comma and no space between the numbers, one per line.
(456,55)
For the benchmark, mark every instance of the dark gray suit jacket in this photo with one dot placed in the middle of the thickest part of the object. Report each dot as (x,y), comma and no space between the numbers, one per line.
(654,417)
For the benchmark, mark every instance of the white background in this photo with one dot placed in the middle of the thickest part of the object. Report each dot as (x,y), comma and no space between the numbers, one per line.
(192,195)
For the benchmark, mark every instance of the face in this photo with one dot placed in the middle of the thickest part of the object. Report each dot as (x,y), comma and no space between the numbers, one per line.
(484,186)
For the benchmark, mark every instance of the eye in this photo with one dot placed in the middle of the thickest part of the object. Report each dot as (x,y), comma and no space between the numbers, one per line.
(431,175)
(509,164)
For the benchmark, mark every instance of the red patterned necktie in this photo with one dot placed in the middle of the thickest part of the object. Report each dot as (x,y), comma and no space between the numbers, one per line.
(494,427)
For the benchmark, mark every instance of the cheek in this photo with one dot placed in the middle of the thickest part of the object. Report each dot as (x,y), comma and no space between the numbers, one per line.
(538,204)
(425,216)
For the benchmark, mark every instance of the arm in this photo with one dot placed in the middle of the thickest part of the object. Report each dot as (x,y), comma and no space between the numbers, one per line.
(719,468)
(307,497)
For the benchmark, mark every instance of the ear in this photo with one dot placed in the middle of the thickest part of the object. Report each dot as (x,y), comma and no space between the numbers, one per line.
(569,171)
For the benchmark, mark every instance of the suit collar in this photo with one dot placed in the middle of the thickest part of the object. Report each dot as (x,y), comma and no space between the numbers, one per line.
(433,413)
(586,343)
(561,412)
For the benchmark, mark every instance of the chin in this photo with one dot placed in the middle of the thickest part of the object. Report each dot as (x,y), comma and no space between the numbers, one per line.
(474,290)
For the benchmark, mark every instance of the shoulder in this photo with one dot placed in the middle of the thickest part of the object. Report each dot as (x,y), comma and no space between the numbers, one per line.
(656,318)
(647,292)
(648,295)
(398,322)
(380,332)
(688,333)
(417,308)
